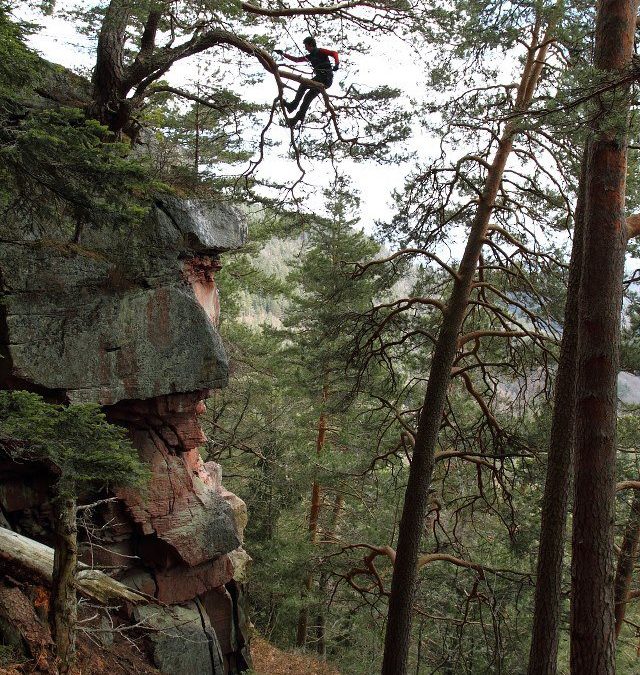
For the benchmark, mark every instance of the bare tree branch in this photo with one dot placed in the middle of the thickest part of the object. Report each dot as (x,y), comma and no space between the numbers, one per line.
(305,11)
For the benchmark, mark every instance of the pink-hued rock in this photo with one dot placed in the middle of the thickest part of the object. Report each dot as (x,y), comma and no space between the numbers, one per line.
(173,418)
(183,583)
(199,272)
(128,319)
(179,507)
(218,605)
(184,505)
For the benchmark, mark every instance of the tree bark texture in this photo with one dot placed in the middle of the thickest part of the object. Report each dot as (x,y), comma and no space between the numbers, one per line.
(63,611)
(303,615)
(543,655)
(321,642)
(600,304)
(108,76)
(626,561)
(404,581)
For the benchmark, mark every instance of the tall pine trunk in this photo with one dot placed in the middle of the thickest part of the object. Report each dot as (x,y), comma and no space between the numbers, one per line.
(626,561)
(600,303)
(403,585)
(543,654)
(321,643)
(63,608)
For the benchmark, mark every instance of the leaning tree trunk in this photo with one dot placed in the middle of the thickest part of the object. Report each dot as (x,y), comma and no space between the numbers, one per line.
(543,654)
(600,302)
(626,561)
(403,585)
(63,608)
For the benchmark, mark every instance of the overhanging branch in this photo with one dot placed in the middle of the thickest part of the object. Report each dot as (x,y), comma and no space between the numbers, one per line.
(304,11)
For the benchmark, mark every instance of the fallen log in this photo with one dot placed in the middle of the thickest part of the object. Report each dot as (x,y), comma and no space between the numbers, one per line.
(37,559)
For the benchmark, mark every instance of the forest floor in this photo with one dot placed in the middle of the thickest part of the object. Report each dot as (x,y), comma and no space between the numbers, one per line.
(122,660)
(269,660)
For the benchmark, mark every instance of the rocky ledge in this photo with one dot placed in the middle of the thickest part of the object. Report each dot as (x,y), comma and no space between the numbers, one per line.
(129,320)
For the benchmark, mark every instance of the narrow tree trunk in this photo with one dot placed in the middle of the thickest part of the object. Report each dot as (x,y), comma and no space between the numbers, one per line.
(592,600)
(321,642)
(543,654)
(314,514)
(403,585)
(626,561)
(303,616)
(63,610)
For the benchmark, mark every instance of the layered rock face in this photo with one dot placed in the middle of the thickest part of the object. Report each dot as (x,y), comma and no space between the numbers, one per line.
(128,320)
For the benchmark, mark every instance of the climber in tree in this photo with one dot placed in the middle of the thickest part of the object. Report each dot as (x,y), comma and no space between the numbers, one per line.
(322,72)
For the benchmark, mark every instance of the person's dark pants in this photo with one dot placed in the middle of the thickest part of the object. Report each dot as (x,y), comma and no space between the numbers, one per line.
(309,94)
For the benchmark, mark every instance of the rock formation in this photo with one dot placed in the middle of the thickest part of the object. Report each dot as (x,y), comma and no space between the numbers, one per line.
(128,320)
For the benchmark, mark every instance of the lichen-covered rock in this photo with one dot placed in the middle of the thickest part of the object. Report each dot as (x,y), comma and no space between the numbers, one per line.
(219,603)
(183,582)
(205,228)
(128,319)
(182,639)
(143,344)
(629,388)
(121,315)
(240,561)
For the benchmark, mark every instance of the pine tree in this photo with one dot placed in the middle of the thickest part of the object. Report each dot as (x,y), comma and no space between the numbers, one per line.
(84,451)
(318,319)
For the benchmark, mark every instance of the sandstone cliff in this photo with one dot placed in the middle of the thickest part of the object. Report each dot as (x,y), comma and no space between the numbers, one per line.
(128,320)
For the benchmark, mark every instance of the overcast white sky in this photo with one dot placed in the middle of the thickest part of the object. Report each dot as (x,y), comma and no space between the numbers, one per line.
(390,63)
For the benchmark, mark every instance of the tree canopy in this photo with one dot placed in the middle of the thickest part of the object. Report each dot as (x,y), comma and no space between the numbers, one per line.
(407,392)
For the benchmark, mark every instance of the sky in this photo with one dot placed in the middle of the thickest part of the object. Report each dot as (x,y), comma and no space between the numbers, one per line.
(58,41)
(390,62)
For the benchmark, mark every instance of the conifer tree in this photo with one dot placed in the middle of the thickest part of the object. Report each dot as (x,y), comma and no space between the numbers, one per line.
(597,359)
(84,451)
(318,317)
(542,32)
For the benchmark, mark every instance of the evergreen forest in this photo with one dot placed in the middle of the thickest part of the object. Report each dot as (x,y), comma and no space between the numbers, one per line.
(320,337)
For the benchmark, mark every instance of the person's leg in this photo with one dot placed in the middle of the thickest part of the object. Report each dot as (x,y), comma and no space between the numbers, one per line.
(306,102)
(292,105)
(324,78)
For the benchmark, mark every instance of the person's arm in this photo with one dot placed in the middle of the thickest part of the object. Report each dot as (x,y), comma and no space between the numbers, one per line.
(290,57)
(333,55)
